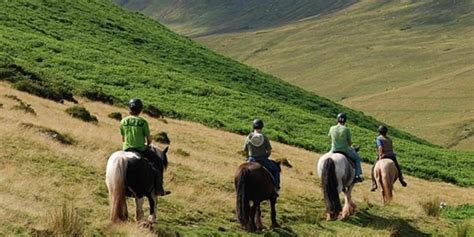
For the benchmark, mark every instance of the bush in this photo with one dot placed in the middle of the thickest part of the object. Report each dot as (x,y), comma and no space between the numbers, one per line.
(65,222)
(81,113)
(161,137)
(153,111)
(97,94)
(51,91)
(431,207)
(115,115)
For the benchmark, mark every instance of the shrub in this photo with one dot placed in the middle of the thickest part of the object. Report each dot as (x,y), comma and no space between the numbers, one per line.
(153,111)
(81,113)
(182,152)
(13,97)
(115,115)
(50,133)
(65,222)
(52,91)
(97,94)
(431,207)
(161,137)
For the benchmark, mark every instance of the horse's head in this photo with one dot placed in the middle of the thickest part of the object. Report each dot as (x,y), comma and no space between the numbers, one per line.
(161,154)
(283,162)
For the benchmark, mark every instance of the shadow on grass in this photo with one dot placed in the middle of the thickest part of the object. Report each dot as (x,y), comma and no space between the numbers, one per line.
(398,226)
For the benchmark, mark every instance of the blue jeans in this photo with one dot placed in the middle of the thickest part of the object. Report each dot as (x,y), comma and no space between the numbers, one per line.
(356,158)
(270,165)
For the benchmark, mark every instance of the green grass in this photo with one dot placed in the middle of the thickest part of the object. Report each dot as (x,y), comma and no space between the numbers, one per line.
(406,63)
(85,45)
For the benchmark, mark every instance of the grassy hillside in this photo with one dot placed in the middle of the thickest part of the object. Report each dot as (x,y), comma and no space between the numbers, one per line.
(404,62)
(195,18)
(98,50)
(39,175)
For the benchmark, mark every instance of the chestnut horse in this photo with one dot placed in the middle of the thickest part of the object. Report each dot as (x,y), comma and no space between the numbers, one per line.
(254,183)
(386,174)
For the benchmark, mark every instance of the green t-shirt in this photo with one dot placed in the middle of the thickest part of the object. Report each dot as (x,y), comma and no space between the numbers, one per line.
(134,129)
(340,136)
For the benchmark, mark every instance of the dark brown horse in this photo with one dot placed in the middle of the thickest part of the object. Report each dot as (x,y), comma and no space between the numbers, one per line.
(254,184)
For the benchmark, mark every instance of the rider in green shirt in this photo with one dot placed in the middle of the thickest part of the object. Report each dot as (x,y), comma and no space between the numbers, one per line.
(136,138)
(341,141)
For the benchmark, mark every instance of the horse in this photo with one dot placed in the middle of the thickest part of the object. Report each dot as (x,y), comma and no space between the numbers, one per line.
(128,175)
(254,183)
(386,174)
(337,175)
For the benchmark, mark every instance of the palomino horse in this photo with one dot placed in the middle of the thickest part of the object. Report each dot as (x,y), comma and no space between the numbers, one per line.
(337,175)
(254,183)
(386,174)
(128,175)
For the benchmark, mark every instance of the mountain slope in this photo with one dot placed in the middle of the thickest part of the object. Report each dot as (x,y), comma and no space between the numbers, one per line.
(94,48)
(39,175)
(196,18)
(404,62)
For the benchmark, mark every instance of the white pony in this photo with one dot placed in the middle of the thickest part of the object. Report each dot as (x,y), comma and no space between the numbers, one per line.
(128,175)
(337,175)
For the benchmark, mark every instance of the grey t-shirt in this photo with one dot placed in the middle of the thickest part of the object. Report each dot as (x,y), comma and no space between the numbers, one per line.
(257,145)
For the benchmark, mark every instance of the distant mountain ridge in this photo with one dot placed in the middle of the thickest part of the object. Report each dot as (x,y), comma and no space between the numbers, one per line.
(197,18)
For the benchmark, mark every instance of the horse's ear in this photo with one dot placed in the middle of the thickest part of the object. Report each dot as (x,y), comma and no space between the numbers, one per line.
(165,150)
(284,162)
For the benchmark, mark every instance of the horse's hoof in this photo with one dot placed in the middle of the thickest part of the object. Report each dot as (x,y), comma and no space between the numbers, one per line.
(276,225)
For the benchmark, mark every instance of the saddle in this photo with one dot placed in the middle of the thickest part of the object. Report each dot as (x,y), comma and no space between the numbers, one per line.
(347,157)
(266,170)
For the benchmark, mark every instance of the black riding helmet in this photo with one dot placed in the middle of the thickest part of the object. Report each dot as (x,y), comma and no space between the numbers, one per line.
(382,129)
(341,118)
(257,124)
(135,105)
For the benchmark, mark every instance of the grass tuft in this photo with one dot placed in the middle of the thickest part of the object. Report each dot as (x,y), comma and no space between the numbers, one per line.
(431,207)
(115,115)
(65,221)
(182,152)
(50,133)
(81,113)
(462,230)
(162,137)
(24,107)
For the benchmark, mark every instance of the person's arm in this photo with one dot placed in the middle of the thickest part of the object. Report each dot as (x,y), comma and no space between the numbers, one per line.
(122,132)
(379,149)
(268,146)
(349,137)
(148,140)
(146,132)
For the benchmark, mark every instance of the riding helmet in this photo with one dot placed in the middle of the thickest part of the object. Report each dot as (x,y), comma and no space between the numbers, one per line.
(135,105)
(382,129)
(257,124)
(341,117)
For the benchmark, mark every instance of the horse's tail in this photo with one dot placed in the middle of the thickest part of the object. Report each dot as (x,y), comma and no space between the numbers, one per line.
(329,185)
(386,181)
(115,176)
(243,204)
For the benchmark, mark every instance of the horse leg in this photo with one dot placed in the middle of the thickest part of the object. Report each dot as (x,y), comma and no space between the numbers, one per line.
(152,202)
(273,212)
(251,224)
(353,206)
(139,208)
(349,205)
(258,218)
